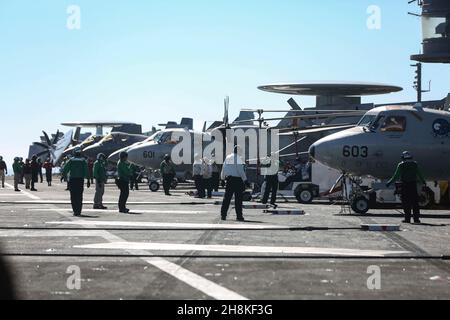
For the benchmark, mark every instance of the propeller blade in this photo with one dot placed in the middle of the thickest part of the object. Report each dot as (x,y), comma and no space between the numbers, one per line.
(292,144)
(290,129)
(47,139)
(226,120)
(42,145)
(294,105)
(293,154)
(204,126)
(56,138)
(53,156)
(282,156)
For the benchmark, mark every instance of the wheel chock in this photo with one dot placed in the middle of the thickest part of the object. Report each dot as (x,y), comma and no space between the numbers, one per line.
(380,227)
(286,212)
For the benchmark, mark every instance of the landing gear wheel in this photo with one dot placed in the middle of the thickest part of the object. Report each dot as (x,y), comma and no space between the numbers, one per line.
(174,184)
(304,196)
(154,186)
(360,205)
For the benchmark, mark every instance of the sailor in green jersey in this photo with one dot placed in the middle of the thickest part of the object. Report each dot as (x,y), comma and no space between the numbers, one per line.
(77,170)
(99,174)
(123,182)
(409,174)
(167,169)
(134,177)
(17,168)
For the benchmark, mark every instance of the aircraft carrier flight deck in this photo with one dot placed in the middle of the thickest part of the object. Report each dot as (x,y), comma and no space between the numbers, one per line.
(178,248)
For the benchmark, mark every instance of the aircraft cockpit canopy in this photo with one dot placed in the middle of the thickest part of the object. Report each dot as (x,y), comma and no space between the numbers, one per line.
(107,138)
(164,138)
(386,123)
(367,120)
(393,124)
(89,140)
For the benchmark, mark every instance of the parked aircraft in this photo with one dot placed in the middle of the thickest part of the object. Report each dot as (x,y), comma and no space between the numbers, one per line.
(374,146)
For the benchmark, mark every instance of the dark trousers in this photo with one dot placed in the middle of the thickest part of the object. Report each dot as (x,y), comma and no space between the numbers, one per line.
(134,182)
(124,193)
(48,176)
(271,185)
(410,201)
(208,183)
(76,186)
(167,181)
(235,186)
(215,180)
(200,186)
(34,179)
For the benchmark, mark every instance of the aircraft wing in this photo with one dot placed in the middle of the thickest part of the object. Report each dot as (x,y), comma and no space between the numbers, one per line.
(318,116)
(318,129)
(323,116)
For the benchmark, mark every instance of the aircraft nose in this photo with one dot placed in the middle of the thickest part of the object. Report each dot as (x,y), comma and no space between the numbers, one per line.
(114,157)
(91,151)
(133,154)
(322,151)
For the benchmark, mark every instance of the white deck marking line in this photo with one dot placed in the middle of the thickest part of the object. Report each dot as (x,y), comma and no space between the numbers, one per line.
(199,226)
(192,279)
(133,211)
(11,194)
(37,200)
(8,186)
(50,233)
(241,249)
(29,195)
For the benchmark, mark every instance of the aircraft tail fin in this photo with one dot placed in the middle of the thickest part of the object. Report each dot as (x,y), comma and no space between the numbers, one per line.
(187,123)
(288,123)
(245,116)
(76,136)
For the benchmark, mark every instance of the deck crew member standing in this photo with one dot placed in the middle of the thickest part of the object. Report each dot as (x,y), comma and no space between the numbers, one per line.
(22,164)
(48,166)
(26,171)
(408,173)
(99,173)
(234,174)
(197,172)
(90,164)
(17,168)
(77,170)
(39,162)
(269,170)
(134,177)
(3,171)
(215,180)
(207,177)
(34,172)
(124,173)
(167,168)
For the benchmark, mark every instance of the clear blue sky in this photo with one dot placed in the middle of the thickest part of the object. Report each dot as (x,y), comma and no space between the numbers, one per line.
(153,61)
